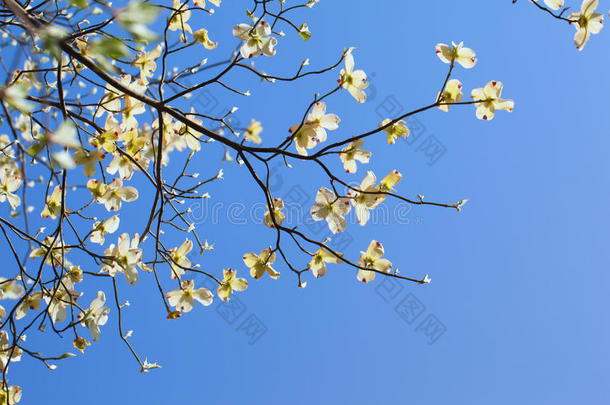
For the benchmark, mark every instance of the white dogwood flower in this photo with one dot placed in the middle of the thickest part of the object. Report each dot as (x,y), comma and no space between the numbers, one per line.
(256,40)
(314,128)
(363,200)
(451,94)
(74,274)
(305,138)
(331,208)
(187,136)
(88,160)
(397,130)
(12,396)
(60,298)
(10,181)
(116,193)
(587,22)
(202,36)
(456,53)
(488,100)
(372,259)
(10,289)
(390,181)
(8,352)
(180,15)
(230,283)
(96,315)
(145,61)
(317,265)
(53,206)
(352,80)
(184,298)
(56,256)
(387,185)
(261,264)
(253,132)
(101,228)
(125,257)
(179,261)
(112,131)
(32,302)
(353,152)
(121,164)
(97,188)
(278,215)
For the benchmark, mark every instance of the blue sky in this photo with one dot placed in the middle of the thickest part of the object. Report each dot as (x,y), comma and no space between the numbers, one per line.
(519,278)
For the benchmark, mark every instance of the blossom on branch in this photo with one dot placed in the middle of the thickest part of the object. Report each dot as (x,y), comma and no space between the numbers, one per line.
(261,264)
(488,100)
(253,132)
(278,215)
(313,130)
(317,265)
(372,259)
(587,22)
(101,228)
(184,298)
(179,259)
(124,257)
(257,39)
(95,316)
(331,208)
(395,131)
(9,183)
(456,53)
(352,80)
(451,94)
(364,198)
(353,152)
(230,283)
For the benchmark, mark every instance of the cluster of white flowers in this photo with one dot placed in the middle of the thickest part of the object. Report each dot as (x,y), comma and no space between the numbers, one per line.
(369,195)
(122,144)
(487,99)
(112,137)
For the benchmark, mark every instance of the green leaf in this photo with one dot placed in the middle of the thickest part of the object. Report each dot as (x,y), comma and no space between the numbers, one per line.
(35,148)
(135,17)
(51,35)
(110,48)
(304,31)
(79,3)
